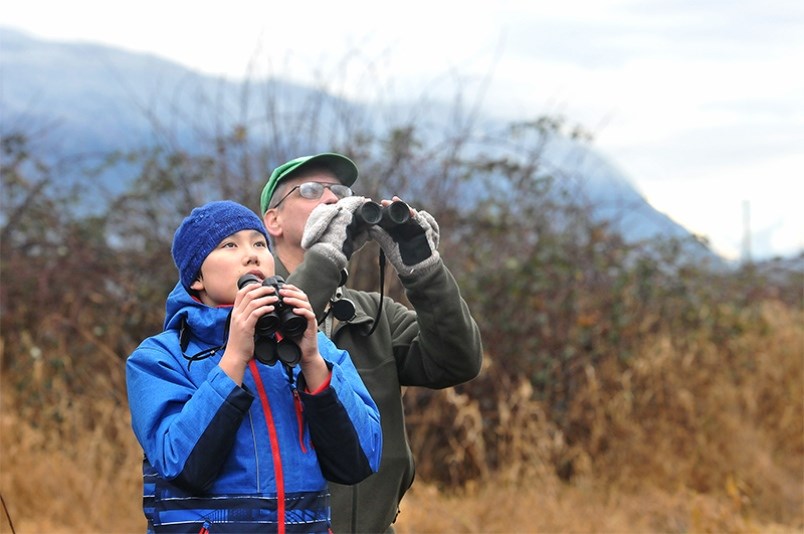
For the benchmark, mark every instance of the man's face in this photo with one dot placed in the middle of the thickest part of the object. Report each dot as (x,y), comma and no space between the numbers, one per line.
(243,252)
(286,222)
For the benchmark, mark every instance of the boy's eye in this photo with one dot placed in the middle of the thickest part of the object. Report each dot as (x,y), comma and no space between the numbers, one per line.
(260,244)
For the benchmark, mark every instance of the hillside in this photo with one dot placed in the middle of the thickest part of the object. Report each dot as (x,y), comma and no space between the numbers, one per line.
(91,99)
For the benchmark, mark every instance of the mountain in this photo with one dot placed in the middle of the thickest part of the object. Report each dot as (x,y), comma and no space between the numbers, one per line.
(98,99)
(90,92)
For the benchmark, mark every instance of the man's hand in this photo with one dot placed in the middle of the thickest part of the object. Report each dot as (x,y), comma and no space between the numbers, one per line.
(329,230)
(412,247)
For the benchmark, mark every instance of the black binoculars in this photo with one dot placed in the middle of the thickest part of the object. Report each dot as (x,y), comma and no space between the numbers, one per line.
(267,348)
(394,214)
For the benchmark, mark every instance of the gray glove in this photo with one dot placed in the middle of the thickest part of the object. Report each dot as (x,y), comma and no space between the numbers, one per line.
(410,247)
(330,231)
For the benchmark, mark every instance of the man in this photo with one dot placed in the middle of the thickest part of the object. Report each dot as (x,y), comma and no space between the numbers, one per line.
(308,208)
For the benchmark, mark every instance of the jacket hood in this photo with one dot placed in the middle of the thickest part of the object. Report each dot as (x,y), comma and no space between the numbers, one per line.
(206,323)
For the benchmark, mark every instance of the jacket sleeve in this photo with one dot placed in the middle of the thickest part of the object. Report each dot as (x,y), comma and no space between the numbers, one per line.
(344,421)
(185,430)
(318,276)
(439,345)
(435,345)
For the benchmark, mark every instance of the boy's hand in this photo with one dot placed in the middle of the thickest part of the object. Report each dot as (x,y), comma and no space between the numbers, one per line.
(313,367)
(252,301)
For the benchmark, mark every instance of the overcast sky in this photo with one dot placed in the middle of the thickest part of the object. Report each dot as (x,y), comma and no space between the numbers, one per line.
(699,102)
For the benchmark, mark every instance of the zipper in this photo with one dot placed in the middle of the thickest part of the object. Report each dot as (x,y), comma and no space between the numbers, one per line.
(269,423)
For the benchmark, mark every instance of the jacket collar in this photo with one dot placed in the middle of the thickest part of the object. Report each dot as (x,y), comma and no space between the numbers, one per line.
(206,323)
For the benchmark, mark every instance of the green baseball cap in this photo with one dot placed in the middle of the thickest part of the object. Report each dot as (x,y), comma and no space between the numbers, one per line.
(341,166)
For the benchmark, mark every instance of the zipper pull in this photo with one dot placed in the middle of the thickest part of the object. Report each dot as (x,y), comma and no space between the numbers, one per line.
(299,417)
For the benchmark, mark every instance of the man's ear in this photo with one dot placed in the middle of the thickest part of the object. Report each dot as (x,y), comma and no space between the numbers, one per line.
(271,221)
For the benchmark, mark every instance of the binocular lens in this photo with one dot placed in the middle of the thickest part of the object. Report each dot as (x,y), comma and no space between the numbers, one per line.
(293,325)
(370,212)
(394,214)
(398,212)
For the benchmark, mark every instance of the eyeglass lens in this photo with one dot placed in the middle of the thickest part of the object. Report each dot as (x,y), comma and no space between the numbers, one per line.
(314,190)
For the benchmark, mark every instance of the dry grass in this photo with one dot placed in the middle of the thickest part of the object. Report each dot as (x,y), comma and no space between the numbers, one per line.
(702,438)
(82,473)
(501,508)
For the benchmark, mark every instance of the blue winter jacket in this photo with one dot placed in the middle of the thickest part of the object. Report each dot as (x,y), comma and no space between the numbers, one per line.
(226,458)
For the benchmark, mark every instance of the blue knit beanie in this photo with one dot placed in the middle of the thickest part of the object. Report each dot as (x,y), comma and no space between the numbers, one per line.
(204,229)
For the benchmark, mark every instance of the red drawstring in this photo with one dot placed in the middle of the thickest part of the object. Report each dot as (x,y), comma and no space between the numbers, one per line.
(269,422)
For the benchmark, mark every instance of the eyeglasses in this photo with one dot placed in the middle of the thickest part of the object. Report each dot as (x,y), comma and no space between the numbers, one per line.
(314,190)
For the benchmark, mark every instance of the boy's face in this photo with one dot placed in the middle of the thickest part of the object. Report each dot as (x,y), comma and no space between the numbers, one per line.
(243,252)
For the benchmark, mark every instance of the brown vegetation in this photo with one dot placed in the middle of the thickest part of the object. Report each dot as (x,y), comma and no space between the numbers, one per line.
(624,389)
(693,446)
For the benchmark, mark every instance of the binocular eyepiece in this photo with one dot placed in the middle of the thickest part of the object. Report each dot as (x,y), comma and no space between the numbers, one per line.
(394,214)
(267,349)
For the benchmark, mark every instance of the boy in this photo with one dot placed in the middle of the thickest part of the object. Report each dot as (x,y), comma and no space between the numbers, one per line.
(231,444)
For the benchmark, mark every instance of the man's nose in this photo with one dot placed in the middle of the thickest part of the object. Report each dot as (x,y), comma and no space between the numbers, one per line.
(329,197)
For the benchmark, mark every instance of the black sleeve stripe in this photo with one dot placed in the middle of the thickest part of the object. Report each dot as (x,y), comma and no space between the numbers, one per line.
(335,439)
(204,462)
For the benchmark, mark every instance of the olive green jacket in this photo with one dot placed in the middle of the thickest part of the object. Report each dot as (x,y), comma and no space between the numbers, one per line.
(436,346)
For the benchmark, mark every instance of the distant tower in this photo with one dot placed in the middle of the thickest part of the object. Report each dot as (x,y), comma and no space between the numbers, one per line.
(746,232)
